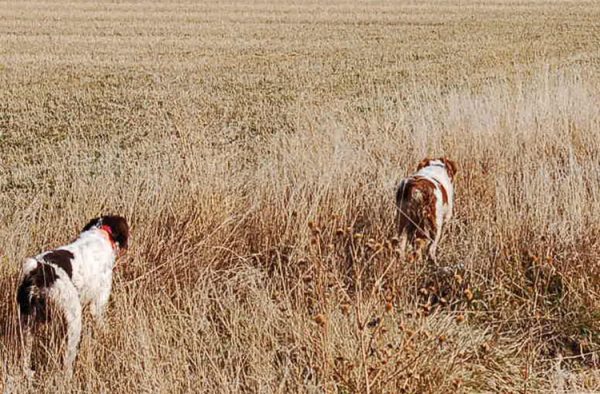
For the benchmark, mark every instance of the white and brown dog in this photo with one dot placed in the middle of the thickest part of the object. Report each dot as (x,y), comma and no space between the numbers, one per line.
(69,278)
(425,201)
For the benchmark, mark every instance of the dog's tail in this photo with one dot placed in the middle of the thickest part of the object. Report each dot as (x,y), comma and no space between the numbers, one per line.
(32,295)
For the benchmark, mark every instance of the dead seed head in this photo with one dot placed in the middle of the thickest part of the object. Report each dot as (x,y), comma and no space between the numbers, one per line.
(485,347)
(321,320)
(345,308)
(468,294)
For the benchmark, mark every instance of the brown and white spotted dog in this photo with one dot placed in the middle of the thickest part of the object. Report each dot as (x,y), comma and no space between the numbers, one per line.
(424,202)
(70,278)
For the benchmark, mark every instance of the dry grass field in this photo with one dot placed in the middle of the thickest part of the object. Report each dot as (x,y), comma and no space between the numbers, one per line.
(255,147)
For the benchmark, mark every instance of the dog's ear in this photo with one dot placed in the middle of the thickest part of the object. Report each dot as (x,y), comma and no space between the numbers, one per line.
(95,222)
(450,167)
(119,228)
(423,163)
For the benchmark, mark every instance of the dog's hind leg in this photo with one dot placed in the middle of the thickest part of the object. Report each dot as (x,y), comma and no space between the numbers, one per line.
(402,243)
(27,335)
(67,299)
(431,252)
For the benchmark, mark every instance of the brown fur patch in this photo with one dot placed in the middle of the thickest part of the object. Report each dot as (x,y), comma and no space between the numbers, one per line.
(423,163)
(61,258)
(31,303)
(444,194)
(450,167)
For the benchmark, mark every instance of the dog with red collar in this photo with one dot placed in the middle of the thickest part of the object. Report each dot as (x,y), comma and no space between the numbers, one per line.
(70,278)
(424,202)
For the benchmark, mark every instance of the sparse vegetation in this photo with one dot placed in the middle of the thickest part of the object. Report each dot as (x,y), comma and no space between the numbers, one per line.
(255,149)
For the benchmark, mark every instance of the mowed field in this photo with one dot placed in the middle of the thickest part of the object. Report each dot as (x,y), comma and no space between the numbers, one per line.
(254,148)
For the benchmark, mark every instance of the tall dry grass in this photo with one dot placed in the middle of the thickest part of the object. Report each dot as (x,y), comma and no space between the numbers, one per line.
(255,148)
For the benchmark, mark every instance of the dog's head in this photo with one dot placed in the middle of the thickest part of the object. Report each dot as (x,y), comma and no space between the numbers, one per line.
(119,229)
(448,164)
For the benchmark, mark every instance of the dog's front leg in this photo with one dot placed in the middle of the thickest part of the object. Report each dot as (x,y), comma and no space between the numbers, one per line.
(97,308)
(73,337)
(434,243)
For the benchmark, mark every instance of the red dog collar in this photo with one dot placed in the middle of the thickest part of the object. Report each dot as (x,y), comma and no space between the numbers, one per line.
(109,234)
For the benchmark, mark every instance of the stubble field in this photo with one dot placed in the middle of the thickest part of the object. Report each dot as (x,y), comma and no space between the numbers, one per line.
(254,149)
